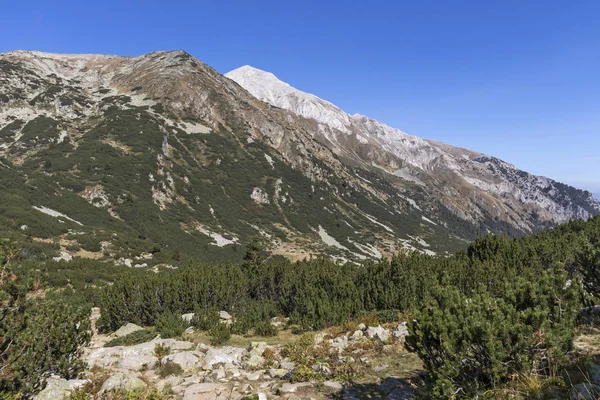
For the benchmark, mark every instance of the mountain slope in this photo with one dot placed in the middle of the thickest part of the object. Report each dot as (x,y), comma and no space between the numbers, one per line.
(150,159)
(411,157)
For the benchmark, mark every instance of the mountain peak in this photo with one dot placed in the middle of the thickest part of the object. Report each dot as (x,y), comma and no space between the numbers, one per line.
(267,87)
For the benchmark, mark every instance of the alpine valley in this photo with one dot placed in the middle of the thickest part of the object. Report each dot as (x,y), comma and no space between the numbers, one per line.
(149,159)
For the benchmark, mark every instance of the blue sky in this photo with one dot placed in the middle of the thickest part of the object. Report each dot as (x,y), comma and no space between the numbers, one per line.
(515,79)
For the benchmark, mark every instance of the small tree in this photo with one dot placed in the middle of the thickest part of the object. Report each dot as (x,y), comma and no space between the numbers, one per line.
(205,318)
(170,324)
(219,334)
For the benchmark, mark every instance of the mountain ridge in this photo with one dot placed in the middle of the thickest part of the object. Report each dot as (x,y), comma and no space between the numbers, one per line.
(141,159)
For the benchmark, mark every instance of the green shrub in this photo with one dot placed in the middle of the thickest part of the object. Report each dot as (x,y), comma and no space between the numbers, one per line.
(265,329)
(131,339)
(386,316)
(205,318)
(38,336)
(469,343)
(219,334)
(170,324)
(169,368)
(161,351)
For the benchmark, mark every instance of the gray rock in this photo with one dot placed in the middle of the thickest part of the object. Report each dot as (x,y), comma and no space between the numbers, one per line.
(218,374)
(205,391)
(262,396)
(357,335)
(127,329)
(187,360)
(400,332)
(215,356)
(187,317)
(224,315)
(58,388)
(362,327)
(292,387)
(400,394)
(319,337)
(287,364)
(236,352)
(254,376)
(257,347)
(255,361)
(171,381)
(137,362)
(104,357)
(333,385)
(181,345)
(119,381)
(378,332)
(277,372)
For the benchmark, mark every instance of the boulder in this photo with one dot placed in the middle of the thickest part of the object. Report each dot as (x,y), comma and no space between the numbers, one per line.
(120,381)
(236,352)
(215,356)
(225,315)
(357,335)
(401,331)
(187,317)
(218,374)
(277,372)
(287,364)
(205,391)
(187,360)
(333,385)
(254,376)
(104,357)
(262,396)
(127,329)
(58,388)
(257,347)
(292,387)
(378,332)
(361,327)
(137,362)
(170,381)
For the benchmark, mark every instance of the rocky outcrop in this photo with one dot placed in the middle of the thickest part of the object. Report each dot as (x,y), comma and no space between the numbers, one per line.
(230,372)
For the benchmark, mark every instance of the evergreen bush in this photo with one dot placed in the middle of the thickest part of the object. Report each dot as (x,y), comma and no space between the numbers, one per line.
(170,324)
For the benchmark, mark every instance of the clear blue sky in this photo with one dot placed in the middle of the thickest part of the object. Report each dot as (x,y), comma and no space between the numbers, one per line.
(519,80)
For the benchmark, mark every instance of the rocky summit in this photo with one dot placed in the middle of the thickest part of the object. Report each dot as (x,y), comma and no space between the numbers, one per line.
(144,159)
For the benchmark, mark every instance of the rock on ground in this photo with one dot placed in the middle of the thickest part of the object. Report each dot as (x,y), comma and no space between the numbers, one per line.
(187,360)
(205,391)
(127,329)
(120,381)
(58,388)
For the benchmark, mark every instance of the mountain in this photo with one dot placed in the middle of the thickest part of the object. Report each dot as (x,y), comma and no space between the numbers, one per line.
(149,160)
